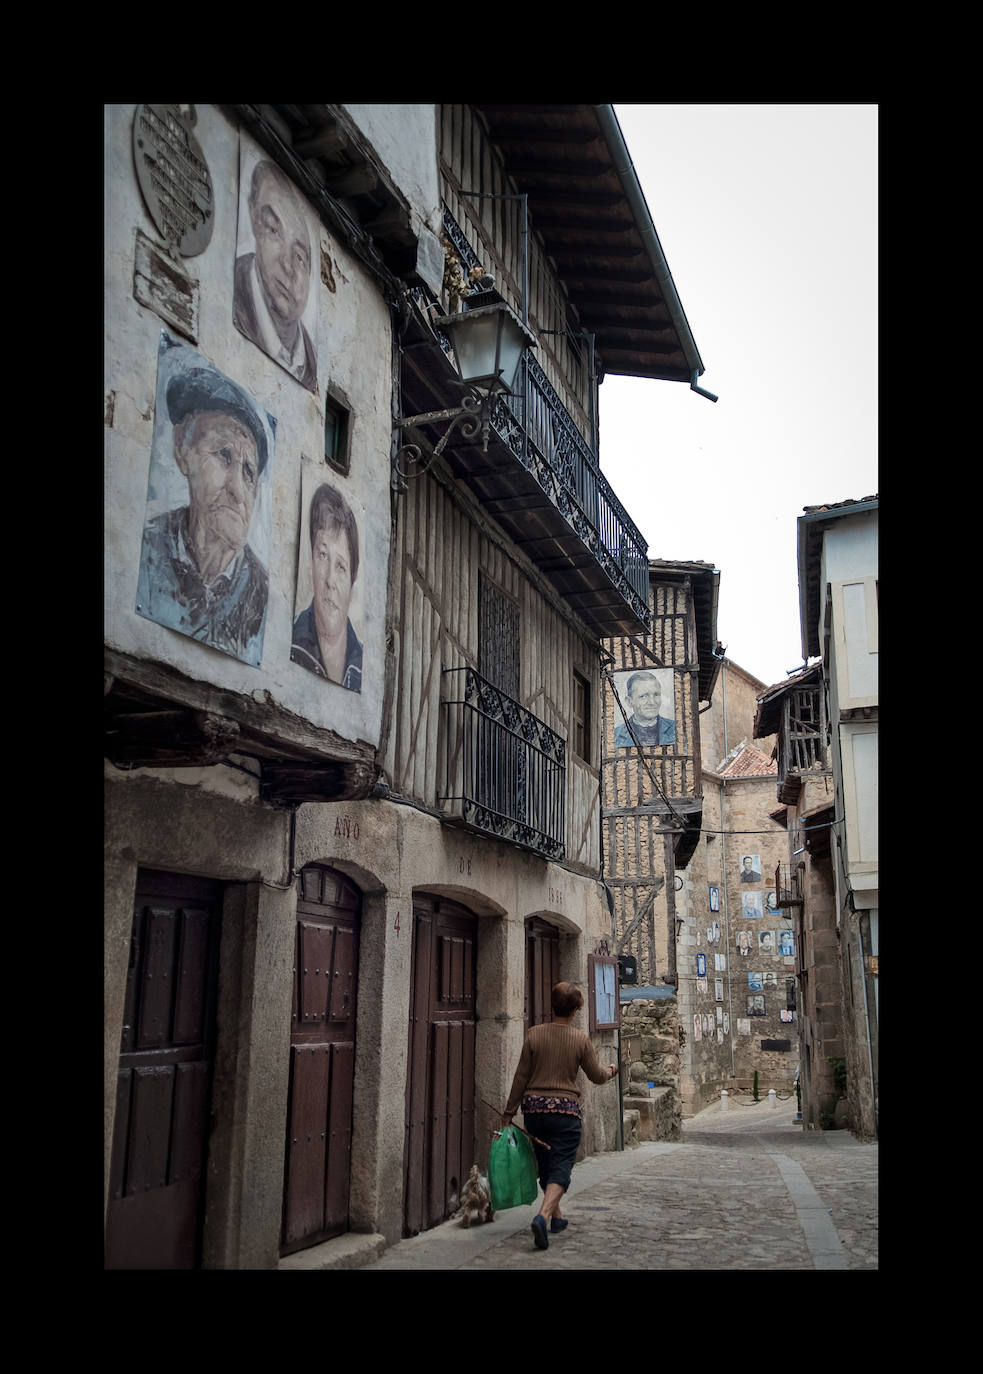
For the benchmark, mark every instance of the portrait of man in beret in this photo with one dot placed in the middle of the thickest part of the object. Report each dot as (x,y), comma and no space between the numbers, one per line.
(199,574)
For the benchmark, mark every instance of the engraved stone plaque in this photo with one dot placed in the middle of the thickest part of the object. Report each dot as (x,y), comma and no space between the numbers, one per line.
(173,176)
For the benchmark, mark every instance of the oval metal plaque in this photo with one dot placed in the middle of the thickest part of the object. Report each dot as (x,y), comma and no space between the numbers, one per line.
(173,177)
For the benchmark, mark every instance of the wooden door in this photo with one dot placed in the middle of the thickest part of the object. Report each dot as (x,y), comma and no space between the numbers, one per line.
(439,1138)
(322,1059)
(165,1067)
(542,970)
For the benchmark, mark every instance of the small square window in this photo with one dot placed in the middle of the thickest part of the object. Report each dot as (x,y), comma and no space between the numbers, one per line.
(336,448)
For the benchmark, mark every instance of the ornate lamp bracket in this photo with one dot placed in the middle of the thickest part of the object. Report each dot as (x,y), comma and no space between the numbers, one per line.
(473,414)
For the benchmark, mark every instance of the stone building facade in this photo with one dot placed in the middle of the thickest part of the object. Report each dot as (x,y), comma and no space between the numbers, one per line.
(331,912)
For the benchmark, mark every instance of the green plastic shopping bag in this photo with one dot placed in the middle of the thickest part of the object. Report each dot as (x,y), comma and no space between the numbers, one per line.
(512,1176)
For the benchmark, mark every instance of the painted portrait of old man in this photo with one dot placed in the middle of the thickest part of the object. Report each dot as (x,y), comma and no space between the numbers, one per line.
(644,711)
(276,269)
(205,553)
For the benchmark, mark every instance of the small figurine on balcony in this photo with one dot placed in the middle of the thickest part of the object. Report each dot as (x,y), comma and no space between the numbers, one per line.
(456,284)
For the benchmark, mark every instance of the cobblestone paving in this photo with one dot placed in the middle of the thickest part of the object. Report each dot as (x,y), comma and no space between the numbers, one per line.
(745,1188)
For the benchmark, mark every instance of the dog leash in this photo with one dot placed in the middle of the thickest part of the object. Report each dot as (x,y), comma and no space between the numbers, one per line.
(526,1133)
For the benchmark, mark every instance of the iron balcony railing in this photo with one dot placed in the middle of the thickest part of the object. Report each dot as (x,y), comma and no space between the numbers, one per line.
(550,446)
(538,428)
(505,768)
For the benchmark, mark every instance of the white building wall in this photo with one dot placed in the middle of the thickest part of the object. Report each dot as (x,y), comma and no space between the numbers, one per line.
(354,363)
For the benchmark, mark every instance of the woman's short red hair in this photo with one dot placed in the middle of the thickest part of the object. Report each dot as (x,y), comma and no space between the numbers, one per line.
(566,998)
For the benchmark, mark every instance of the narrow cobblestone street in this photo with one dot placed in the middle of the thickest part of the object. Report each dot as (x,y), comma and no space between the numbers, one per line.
(745,1188)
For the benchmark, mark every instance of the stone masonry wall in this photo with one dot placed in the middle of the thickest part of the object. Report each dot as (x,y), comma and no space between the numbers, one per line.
(651,1046)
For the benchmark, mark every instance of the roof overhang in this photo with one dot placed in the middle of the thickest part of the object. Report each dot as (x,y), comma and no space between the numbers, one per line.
(587,205)
(768,715)
(704,580)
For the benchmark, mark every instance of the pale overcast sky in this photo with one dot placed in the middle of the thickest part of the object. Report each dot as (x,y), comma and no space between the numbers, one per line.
(767,215)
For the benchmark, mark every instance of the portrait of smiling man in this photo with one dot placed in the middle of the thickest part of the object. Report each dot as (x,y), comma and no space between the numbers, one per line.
(324,639)
(198,573)
(644,700)
(273,282)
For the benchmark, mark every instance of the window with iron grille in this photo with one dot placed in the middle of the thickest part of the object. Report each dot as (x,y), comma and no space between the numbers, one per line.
(580,724)
(498,637)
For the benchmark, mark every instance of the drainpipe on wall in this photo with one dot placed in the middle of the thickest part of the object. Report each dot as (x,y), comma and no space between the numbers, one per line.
(730,971)
(723,864)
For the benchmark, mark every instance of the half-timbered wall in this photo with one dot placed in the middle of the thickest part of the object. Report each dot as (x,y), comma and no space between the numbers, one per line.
(445,550)
(642,782)
(493,227)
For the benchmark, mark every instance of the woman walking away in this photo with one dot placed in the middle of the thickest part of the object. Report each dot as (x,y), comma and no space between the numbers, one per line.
(545,1084)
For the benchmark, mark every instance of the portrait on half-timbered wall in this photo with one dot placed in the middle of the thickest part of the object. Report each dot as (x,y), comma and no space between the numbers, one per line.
(644,708)
(329,602)
(275,291)
(205,554)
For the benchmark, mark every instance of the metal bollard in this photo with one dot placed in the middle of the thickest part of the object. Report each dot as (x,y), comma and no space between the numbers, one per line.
(772,1098)
(724,1099)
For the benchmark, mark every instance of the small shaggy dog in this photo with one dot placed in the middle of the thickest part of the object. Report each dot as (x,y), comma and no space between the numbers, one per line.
(475,1200)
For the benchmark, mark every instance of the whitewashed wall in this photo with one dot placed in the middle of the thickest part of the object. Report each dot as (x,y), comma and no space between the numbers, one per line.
(354,359)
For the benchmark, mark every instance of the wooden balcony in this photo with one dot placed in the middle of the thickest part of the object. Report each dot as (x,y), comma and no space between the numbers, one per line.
(505,768)
(540,481)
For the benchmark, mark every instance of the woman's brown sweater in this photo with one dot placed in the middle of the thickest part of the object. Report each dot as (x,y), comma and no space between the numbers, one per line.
(551,1055)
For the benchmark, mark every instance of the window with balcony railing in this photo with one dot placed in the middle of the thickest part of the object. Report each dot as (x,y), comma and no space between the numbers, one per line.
(506,769)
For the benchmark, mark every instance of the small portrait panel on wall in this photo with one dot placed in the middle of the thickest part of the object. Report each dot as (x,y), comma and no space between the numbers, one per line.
(766,941)
(769,979)
(278,253)
(697,1027)
(750,868)
(771,903)
(750,905)
(786,943)
(205,553)
(324,640)
(701,966)
(754,981)
(756,1004)
(744,942)
(644,708)
(716,932)
(714,898)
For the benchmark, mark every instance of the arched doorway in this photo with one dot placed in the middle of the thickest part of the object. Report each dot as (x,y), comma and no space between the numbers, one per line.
(439,1146)
(317,1173)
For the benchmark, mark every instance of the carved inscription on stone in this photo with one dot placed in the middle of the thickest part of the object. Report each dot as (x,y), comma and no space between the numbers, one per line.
(173,177)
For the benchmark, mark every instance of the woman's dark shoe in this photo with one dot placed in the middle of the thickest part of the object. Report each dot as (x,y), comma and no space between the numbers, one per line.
(540,1239)
(559,1224)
